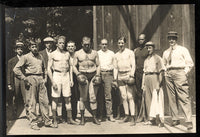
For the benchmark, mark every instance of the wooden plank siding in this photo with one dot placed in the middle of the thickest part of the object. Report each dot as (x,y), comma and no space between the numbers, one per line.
(153,20)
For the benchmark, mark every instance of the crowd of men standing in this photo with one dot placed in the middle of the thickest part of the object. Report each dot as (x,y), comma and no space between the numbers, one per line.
(62,78)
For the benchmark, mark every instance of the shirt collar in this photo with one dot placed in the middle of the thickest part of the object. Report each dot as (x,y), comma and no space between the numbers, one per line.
(48,51)
(19,56)
(174,47)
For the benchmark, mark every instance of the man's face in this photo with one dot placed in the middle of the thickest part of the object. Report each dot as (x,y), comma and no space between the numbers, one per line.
(49,44)
(33,48)
(150,49)
(172,41)
(71,47)
(61,44)
(141,39)
(19,51)
(86,45)
(104,45)
(121,45)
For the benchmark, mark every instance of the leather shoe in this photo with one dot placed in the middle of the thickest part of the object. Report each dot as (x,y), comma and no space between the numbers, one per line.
(189,126)
(175,122)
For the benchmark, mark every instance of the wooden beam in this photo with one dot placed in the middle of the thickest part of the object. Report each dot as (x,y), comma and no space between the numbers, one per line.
(94,29)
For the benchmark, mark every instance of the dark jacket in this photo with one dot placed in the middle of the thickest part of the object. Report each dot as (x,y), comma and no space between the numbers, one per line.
(10,74)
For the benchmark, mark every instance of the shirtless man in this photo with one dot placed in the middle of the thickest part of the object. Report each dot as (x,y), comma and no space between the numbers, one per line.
(88,76)
(124,69)
(60,74)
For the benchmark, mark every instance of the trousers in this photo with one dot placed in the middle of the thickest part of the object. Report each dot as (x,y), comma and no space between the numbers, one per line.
(107,78)
(178,93)
(37,90)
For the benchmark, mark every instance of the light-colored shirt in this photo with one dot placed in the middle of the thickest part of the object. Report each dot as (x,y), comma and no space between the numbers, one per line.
(125,61)
(60,60)
(106,60)
(180,58)
(32,64)
(153,63)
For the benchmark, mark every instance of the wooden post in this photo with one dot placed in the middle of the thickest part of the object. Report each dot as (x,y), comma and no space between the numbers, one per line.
(94,28)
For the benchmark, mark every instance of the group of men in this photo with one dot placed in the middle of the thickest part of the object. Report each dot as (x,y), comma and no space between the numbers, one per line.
(46,76)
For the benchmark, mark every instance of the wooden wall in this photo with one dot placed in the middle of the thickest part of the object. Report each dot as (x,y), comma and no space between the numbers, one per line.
(153,20)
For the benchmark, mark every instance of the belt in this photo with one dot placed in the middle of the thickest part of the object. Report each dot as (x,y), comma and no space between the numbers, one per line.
(87,72)
(31,74)
(175,68)
(124,71)
(61,71)
(106,70)
(151,73)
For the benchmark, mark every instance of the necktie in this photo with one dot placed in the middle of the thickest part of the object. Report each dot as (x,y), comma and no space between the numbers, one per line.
(170,56)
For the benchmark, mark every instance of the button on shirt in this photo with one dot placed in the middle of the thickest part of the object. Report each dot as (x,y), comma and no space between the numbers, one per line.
(106,60)
(180,58)
(153,64)
(33,65)
(125,61)
(61,60)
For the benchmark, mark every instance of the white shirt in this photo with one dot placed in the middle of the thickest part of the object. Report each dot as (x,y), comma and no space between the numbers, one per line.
(180,58)
(125,61)
(153,63)
(106,60)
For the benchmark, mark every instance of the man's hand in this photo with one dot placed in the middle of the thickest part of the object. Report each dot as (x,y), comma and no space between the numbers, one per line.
(82,79)
(71,83)
(10,87)
(27,83)
(97,80)
(131,81)
(55,87)
(114,84)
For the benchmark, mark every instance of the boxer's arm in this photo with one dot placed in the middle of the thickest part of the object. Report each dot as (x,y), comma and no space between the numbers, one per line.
(75,63)
(115,71)
(98,65)
(49,70)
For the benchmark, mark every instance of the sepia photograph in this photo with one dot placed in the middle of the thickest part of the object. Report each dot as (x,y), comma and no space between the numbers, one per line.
(100,69)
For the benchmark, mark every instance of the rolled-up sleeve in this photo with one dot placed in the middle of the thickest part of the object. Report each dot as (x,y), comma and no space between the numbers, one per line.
(161,65)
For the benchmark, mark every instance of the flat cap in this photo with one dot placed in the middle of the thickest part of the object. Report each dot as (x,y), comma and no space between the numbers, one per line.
(150,43)
(172,34)
(48,39)
(19,44)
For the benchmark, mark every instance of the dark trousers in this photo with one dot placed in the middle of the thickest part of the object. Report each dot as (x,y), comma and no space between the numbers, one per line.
(178,93)
(107,78)
(138,95)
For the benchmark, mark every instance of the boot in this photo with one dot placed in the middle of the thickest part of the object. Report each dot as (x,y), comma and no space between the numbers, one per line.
(132,121)
(118,113)
(126,119)
(82,122)
(69,118)
(95,120)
